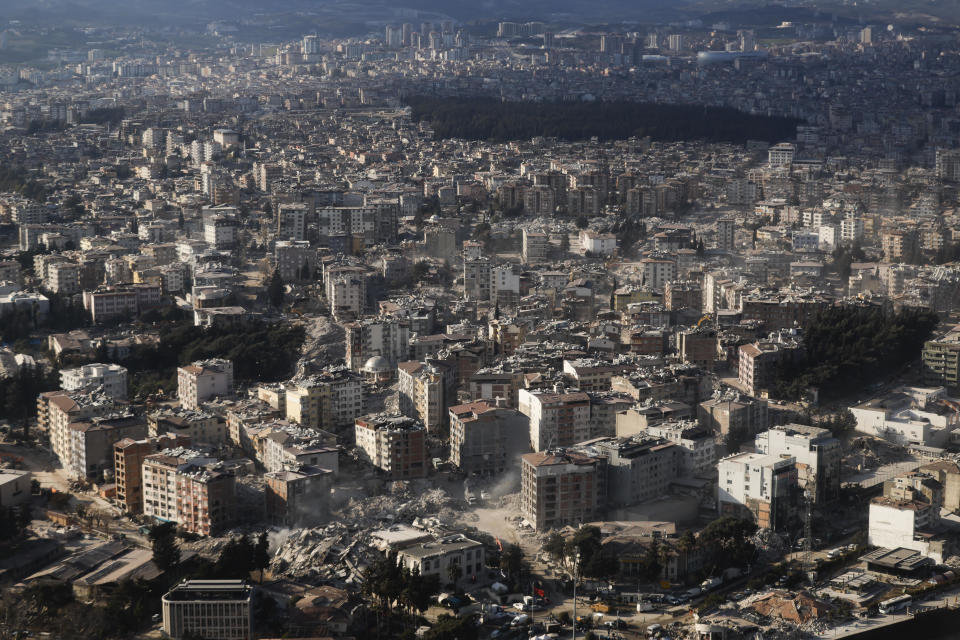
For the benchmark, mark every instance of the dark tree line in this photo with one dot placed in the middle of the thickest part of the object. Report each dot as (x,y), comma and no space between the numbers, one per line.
(16,178)
(259,351)
(476,118)
(849,347)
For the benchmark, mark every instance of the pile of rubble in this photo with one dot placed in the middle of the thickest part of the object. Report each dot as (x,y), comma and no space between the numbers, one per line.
(323,343)
(338,552)
(323,553)
(402,504)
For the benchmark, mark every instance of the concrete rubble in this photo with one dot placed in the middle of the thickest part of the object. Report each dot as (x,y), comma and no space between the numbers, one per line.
(339,553)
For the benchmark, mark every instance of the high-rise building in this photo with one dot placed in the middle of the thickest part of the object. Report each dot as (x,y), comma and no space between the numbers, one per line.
(393,443)
(817,454)
(557,419)
(560,488)
(328,400)
(760,486)
(203,380)
(128,456)
(726,229)
(311,45)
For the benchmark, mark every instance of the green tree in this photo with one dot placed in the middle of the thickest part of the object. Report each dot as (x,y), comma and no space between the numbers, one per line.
(275,292)
(450,627)
(237,559)
(166,553)
(454,572)
(261,554)
(511,560)
(582,222)
(556,546)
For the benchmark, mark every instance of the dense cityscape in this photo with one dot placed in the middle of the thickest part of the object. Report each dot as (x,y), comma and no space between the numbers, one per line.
(459,329)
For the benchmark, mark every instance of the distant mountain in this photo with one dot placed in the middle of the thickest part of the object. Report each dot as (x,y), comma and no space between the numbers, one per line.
(189,11)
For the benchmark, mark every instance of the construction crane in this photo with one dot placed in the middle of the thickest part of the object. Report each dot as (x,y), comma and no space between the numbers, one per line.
(703,319)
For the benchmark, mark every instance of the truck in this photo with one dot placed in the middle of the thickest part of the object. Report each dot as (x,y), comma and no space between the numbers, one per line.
(710,584)
(644,607)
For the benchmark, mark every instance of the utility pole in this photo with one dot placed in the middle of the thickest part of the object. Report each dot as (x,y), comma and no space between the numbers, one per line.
(576,566)
(809,494)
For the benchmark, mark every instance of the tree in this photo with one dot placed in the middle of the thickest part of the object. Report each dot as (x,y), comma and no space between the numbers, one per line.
(555,546)
(449,627)
(166,553)
(275,293)
(237,559)
(511,560)
(261,553)
(582,222)
(454,572)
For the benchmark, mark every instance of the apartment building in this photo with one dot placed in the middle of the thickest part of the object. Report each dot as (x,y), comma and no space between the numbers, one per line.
(476,278)
(186,487)
(296,260)
(90,443)
(817,454)
(112,302)
(56,410)
(757,365)
(557,419)
(558,488)
(734,412)
(638,468)
(760,486)
(941,362)
(907,516)
(111,378)
(535,247)
(128,456)
(478,437)
(203,380)
(422,393)
(298,496)
(394,443)
(698,452)
(387,337)
(198,426)
(488,384)
(327,400)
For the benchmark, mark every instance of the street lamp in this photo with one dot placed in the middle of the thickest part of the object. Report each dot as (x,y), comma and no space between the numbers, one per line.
(576,565)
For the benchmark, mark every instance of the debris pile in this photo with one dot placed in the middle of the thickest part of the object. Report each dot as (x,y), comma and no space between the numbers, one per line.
(323,553)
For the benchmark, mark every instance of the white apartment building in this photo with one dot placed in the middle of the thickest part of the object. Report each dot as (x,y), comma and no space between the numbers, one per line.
(851,229)
(697,445)
(63,278)
(111,377)
(781,155)
(346,294)
(603,244)
(292,222)
(657,272)
(759,484)
(557,419)
(203,380)
(815,450)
